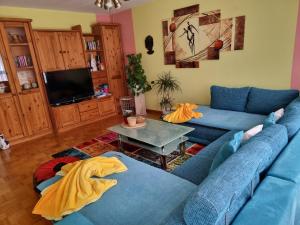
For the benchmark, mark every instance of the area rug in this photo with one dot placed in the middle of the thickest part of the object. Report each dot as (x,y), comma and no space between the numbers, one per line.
(109,142)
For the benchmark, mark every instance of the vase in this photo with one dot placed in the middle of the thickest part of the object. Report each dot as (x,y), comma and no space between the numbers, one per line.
(140,104)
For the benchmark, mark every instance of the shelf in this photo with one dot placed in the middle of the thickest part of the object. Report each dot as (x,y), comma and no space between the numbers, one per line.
(18,44)
(24,68)
(91,51)
(32,90)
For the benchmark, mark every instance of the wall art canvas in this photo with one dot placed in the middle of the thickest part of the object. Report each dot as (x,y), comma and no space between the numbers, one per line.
(192,36)
(168,36)
(239,33)
(209,30)
(187,41)
(226,34)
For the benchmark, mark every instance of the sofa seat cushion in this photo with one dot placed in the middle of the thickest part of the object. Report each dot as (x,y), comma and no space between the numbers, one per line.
(291,117)
(203,134)
(224,192)
(228,120)
(264,101)
(196,169)
(274,202)
(144,195)
(234,99)
(75,218)
(287,165)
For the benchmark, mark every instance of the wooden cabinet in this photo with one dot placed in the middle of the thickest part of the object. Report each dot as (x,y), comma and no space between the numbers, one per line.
(66,116)
(107,107)
(10,119)
(78,114)
(72,49)
(23,108)
(114,58)
(34,112)
(49,50)
(59,50)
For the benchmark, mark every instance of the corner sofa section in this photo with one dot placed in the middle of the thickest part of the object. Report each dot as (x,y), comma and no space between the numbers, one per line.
(237,109)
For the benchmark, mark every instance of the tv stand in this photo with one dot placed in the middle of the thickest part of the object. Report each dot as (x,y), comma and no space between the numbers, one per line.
(73,115)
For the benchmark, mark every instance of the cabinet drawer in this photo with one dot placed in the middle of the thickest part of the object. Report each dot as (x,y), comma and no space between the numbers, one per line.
(90,115)
(107,107)
(87,106)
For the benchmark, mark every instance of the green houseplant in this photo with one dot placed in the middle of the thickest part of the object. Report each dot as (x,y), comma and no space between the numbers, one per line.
(137,82)
(166,85)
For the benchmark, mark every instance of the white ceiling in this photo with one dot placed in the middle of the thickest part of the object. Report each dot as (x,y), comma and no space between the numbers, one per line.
(69,5)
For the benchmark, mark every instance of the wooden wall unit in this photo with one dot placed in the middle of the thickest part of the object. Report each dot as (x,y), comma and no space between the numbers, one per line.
(23,108)
(60,50)
(113,53)
(78,114)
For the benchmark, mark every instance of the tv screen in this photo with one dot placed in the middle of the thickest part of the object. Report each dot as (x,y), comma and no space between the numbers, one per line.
(68,85)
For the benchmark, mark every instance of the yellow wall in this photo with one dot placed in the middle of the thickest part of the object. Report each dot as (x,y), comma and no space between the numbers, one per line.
(52,19)
(265,62)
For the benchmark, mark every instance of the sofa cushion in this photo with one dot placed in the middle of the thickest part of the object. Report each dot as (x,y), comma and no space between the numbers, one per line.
(228,187)
(273,203)
(263,101)
(75,218)
(291,117)
(274,136)
(270,120)
(227,149)
(227,120)
(138,197)
(234,99)
(196,168)
(287,165)
(203,134)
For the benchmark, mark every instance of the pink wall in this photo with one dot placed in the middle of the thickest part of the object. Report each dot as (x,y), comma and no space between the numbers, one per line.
(125,19)
(296,64)
(105,18)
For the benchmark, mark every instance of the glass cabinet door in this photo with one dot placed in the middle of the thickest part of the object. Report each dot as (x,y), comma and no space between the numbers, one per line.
(20,49)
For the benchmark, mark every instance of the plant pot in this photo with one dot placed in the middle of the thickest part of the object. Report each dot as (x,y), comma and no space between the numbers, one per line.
(140,104)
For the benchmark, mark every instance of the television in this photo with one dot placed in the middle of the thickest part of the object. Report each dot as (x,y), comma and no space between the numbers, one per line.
(68,86)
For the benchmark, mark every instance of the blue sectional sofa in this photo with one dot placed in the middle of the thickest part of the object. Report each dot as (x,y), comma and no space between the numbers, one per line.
(259,184)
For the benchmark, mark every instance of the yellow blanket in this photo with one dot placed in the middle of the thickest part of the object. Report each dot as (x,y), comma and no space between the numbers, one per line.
(183,113)
(77,188)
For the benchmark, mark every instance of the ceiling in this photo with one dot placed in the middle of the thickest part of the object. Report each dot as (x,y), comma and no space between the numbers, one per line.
(69,5)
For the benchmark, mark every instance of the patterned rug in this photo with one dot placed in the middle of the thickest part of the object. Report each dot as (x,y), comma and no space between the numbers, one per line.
(109,142)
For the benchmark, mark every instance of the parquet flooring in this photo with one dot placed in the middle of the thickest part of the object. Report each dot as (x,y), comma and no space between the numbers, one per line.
(17,197)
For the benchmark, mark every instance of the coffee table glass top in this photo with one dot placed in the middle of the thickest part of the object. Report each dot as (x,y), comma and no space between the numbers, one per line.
(156,133)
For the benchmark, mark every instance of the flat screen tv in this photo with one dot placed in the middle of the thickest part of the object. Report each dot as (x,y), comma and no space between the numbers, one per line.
(68,86)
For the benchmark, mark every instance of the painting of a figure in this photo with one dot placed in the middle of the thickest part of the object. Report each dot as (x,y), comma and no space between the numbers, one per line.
(187,40)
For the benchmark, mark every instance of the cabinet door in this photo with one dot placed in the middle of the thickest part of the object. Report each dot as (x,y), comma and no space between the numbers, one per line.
(107,107)
(66,115)
(49,50)
(114,59)
(35,113)
(10,121)
(72,49)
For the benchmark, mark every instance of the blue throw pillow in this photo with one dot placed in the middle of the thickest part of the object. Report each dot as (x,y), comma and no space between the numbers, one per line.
(227,150)
(234,99)
(263,101)
(270,120)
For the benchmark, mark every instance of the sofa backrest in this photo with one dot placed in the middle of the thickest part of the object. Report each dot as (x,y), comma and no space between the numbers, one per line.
(234,99)
(264,101)
(224,192)
(291,117)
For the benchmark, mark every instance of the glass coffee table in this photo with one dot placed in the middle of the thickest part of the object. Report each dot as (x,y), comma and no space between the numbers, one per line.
(157,136)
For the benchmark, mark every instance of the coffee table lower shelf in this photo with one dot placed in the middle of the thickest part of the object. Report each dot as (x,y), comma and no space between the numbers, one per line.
(163,151)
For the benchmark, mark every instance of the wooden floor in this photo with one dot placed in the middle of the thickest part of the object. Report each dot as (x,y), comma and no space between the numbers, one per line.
(17,197)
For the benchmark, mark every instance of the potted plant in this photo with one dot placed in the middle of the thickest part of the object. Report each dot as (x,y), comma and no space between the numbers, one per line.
(166,85)
(137,82)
